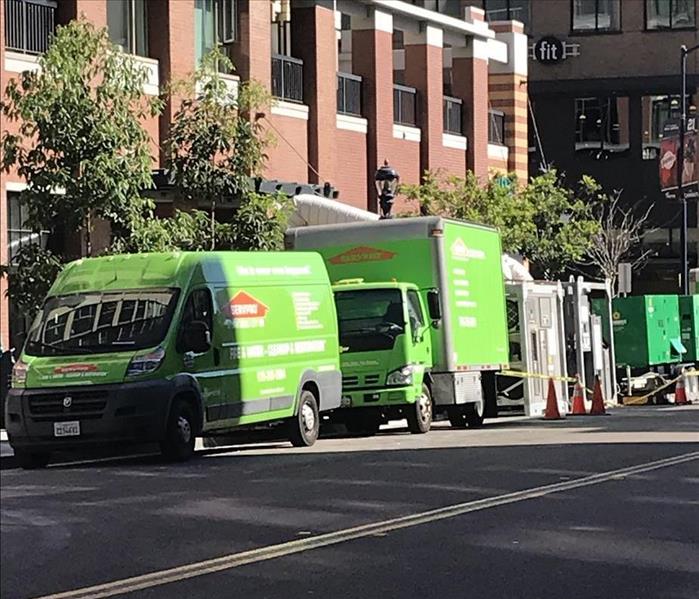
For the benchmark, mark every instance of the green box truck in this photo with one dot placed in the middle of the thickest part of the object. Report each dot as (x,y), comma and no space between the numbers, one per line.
(421,314)
(689,326)
(164,347)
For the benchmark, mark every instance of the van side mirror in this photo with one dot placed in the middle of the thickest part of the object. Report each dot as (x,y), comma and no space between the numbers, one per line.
(434,307)
(196,337)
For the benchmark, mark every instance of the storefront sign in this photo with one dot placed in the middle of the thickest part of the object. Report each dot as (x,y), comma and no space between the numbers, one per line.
(549,50)
(669,150)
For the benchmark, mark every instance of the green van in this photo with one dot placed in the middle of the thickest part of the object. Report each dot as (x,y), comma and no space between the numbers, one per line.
(165,347)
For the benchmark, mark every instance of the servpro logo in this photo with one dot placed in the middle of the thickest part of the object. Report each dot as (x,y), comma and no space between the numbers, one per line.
(460,251)
(243,305)
(361,254)
(246,311)
(75,369)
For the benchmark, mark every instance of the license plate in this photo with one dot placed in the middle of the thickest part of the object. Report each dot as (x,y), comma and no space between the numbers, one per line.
(66,429)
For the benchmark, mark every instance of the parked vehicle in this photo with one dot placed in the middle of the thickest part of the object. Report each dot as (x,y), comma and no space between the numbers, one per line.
(164,347)
(421,312)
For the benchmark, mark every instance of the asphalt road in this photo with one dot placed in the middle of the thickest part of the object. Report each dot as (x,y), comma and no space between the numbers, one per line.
(587,507)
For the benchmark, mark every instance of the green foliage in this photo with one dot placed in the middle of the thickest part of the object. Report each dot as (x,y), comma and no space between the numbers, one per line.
(30,276)
(217,140)
(79,146)
(258,224)
(545,221)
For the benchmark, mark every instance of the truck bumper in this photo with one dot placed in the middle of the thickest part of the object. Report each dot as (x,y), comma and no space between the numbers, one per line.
(392,396)
(119,413)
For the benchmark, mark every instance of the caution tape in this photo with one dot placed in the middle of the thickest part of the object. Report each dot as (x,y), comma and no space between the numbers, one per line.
(536,375)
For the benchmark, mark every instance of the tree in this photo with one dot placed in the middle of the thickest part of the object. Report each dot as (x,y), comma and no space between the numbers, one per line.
(546,222)
(618,239)
(79,146)
(217,143)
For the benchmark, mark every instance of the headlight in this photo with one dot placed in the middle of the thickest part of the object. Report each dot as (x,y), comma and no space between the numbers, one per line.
(19,373)
(145,363)
(402,376)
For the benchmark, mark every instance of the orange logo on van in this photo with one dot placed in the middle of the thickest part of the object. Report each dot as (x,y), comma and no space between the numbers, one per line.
(244,305)
(361,254)
(75,368)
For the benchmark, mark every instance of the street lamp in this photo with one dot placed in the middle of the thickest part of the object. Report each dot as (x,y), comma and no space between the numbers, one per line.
(386,180)
(684,51)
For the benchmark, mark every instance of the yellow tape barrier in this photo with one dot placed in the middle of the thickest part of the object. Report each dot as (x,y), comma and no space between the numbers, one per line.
(535,375)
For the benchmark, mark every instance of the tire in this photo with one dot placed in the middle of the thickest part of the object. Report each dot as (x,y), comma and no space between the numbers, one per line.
(363,422)
(305,426)
(466,415)
(29,460)
(420,413)
(178,445)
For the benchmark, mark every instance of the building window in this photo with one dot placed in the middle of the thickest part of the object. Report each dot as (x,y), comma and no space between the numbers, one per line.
(29,25)
(18,234)
(602,123)
(127,21)
(507,10)
(596,15)
(670,14)
(215,24)
(656,111)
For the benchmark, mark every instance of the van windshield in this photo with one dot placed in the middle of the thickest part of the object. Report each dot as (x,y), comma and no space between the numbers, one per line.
(369,320)
(102,322)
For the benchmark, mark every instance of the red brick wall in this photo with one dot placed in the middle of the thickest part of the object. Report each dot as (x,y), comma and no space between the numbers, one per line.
(404,156)
(452,162)
(252,53)
(314,42)
(283,162)
(351,167)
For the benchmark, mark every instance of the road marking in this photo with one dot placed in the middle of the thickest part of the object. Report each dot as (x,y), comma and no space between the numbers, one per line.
(235,560)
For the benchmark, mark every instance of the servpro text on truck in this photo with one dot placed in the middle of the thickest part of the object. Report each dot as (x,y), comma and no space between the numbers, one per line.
(421,315)
(164,347)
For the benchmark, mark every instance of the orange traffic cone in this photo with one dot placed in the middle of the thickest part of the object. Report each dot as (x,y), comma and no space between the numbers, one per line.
(680,393)
(578,401)
(552,412)
(597,408)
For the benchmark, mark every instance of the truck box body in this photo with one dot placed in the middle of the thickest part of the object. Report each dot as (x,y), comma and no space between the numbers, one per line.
(461,260)
(689,326)
(646,330)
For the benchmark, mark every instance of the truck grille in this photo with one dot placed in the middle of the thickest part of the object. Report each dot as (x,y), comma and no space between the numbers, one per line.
(85,405)
(367,380)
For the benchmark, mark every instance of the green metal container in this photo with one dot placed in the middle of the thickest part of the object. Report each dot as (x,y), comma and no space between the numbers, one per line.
(689,326)
(647,330)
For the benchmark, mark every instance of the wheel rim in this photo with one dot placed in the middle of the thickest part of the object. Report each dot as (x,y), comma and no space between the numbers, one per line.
(424,406)
(184,429)
(308,417)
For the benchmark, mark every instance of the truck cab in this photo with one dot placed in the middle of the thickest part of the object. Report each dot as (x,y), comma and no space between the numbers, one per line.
(386,355)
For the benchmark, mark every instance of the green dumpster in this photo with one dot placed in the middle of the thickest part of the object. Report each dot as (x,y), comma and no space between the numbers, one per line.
(689,326)
(647,330)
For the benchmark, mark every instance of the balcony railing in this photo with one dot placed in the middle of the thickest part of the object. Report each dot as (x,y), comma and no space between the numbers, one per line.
(29,25)
(349,94)
(496,127)
(452,115)
(287,78)
(404,103)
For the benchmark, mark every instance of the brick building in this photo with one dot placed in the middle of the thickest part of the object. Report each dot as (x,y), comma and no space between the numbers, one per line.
(601,92)
(421,84)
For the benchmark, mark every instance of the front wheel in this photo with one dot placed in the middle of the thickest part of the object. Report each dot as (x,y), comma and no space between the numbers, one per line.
(178,445)
(305,426)
(420,413)
(29,460)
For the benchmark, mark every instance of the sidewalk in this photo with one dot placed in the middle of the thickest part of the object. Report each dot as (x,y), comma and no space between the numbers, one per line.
(7,456)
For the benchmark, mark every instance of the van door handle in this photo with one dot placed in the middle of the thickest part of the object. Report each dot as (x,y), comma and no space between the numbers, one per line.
(217,356)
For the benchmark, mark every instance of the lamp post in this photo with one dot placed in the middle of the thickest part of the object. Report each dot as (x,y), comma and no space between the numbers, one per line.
(684,51)
(386,180)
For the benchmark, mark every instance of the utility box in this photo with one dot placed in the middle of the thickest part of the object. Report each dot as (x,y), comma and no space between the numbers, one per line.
(646,330)
(689,326)
(537,346)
